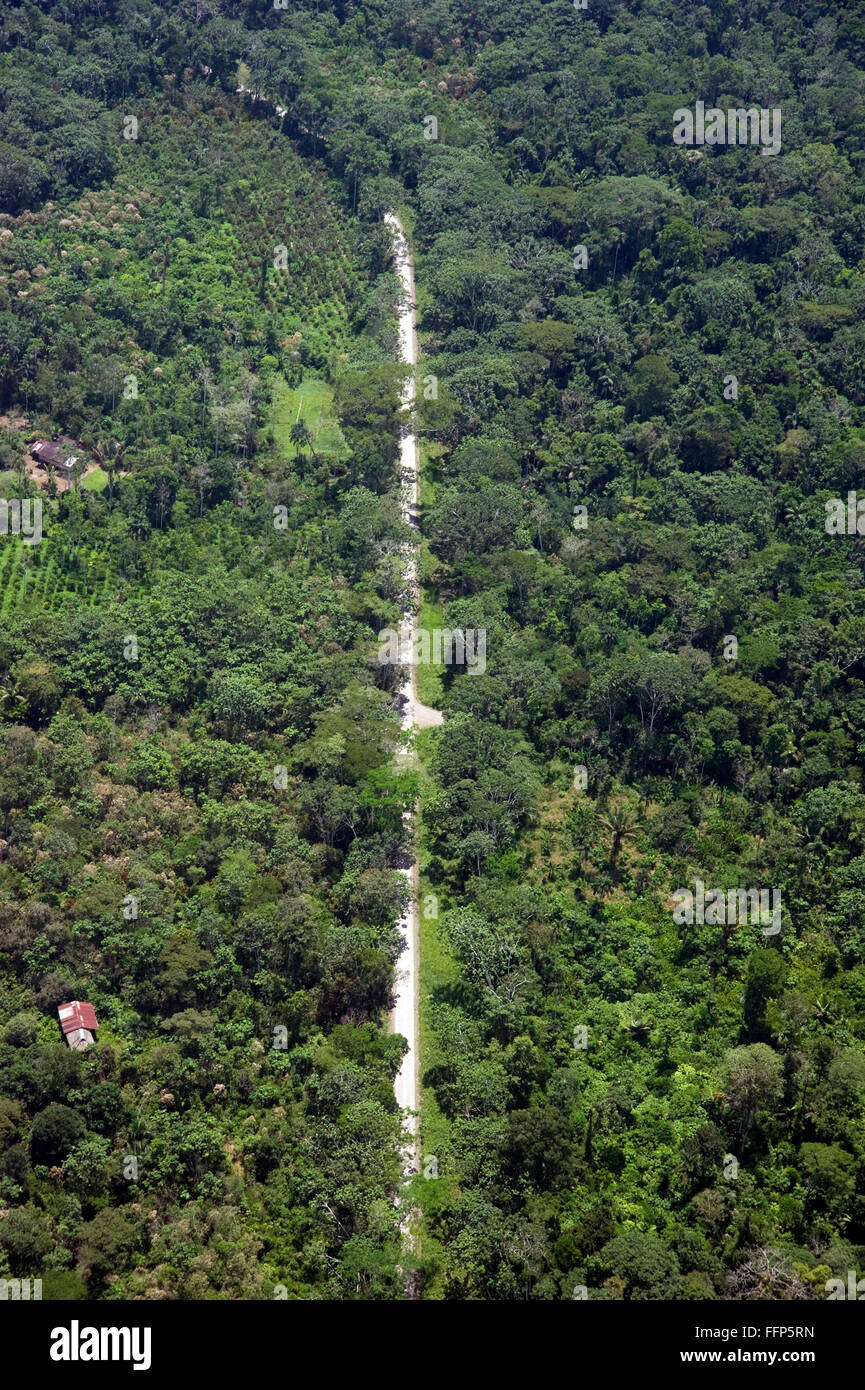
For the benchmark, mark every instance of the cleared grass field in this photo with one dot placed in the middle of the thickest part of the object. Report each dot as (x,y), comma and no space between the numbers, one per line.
(95,481)
(311,402)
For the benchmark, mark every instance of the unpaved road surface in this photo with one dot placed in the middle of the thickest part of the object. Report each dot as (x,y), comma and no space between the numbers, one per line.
(413,715)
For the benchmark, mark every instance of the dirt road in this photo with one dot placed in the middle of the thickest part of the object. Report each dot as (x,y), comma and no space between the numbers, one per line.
(413,715)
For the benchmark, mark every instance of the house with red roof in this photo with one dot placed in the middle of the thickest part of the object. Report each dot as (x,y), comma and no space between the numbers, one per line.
(78,1021)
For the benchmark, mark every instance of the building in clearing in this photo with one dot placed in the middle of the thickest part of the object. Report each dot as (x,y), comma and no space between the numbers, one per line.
(60,455)
(78,1021)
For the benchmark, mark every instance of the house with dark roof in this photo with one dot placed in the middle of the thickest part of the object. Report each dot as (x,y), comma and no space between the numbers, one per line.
(59,454)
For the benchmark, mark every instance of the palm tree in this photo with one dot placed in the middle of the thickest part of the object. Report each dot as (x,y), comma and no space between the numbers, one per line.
(825,1012)
(300,437)
(108,453)
(622,825)
(797,513)
(638,1028)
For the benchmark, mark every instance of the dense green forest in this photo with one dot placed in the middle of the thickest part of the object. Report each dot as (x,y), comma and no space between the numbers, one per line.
(647,368)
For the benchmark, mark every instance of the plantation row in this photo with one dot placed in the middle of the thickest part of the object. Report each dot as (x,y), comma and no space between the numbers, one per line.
(46,577)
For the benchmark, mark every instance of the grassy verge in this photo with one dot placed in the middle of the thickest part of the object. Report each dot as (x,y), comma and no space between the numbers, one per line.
(438,972)
(437,969)
(430,451)
(428,678)
(408,219)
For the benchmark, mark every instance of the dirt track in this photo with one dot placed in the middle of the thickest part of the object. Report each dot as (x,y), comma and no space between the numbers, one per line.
(413,715)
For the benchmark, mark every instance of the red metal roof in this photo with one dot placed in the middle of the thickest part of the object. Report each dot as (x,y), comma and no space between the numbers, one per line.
(77,1014)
